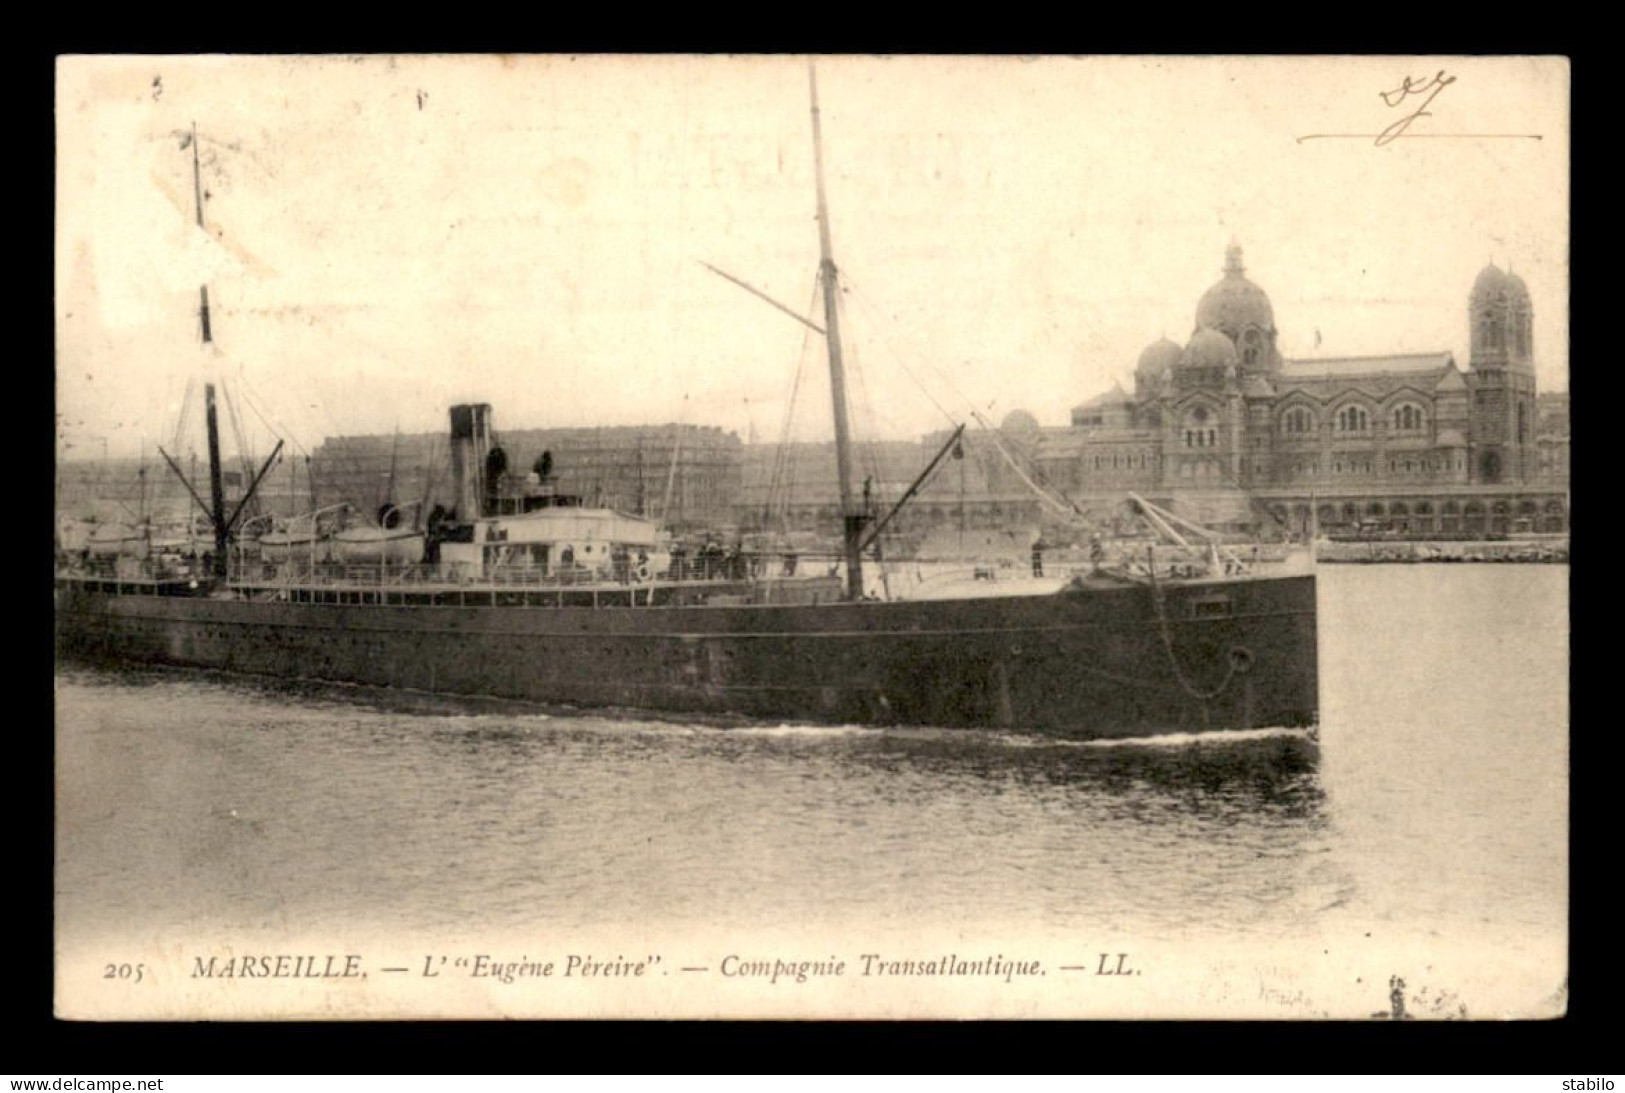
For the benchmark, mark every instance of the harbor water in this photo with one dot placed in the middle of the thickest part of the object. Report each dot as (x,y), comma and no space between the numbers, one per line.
(1422,831)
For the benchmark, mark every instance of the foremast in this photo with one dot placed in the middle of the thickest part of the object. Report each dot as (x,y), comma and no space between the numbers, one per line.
(852,518)
(220,523)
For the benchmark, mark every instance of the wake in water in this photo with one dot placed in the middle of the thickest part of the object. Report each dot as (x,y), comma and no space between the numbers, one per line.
(1164,740)
(478,713)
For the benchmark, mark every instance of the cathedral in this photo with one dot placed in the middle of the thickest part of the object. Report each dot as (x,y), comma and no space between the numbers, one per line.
(1409,443)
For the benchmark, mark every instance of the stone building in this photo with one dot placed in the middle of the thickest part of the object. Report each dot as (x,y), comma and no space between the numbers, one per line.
(689,475)
(1228,428)
(1223,428)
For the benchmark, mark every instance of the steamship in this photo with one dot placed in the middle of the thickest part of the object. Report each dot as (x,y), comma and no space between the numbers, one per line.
(528,593)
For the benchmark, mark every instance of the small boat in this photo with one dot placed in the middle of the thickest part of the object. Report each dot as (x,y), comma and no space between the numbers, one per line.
(117,541)
(390,543)
(305,538)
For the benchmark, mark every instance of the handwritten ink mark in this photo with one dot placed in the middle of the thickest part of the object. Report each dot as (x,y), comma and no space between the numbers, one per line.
(1409,88)
(157,88)
(423,97)
(1405,90)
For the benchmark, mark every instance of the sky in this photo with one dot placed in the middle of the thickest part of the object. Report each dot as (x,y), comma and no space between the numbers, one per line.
(386,236)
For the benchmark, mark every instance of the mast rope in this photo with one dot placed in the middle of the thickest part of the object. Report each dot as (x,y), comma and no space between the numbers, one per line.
(873,309)
(1065,506)
(866,413)
(185,414)
(260,405)
(781,481)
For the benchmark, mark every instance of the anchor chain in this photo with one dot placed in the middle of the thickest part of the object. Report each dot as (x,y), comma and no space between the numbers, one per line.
(1202,696)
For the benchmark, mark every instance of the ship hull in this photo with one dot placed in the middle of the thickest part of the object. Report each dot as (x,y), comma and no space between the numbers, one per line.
(1084,664)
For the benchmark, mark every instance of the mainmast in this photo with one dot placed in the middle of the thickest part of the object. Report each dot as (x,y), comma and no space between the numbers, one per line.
(852,518)
(217,492)
(197,193)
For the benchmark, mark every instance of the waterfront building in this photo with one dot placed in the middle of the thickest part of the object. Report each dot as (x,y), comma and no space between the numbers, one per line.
(688,475)
(1228,428)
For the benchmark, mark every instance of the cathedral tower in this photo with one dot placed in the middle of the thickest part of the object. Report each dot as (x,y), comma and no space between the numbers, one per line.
(1502,378)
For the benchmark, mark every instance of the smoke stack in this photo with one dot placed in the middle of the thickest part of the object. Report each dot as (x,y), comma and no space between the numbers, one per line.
(470,448)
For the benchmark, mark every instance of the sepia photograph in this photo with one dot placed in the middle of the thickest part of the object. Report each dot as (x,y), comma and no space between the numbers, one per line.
(811,537)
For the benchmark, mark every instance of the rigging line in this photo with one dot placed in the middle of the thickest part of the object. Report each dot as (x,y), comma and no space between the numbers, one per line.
(783,476)
(1069,509)
(244,455)
(866,413)
(275,424)
(236,422)
(1038,491)
(970,404)
(275,429)
(864,302)
(776,467)
(879,494)
(185,415)
(1037,470)
(871,448)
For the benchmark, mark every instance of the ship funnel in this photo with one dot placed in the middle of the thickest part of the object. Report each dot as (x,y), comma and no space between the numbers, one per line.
(470,449)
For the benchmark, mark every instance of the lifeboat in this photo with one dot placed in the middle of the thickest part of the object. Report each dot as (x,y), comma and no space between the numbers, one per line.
(117,540)
(302,538)
(378,546)
(392,542)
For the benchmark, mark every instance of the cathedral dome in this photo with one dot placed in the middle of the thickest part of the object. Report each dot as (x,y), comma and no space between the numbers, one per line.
(1235,302)
(1209,348)
(1515,285)
(1019,424)
(1491,281)
(1158,357)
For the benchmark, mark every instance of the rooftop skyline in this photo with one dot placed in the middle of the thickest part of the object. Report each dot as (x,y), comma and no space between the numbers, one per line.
(388,236)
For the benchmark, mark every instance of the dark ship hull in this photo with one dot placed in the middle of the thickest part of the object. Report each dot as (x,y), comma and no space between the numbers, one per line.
(1083,663)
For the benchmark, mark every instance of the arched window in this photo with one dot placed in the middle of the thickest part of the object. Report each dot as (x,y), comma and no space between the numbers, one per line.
(1353,419)
(1250,347)
(1408,418)
(1197,432)
(1298,420)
